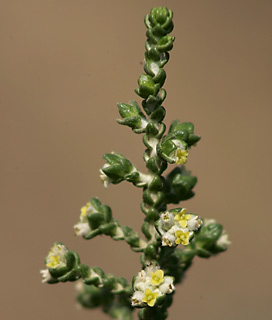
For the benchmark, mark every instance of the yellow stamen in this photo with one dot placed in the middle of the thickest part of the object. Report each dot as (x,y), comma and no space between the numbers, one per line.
(182,237)
(182,217)
(84,209)
(53,261)
(157,277)
(182,156)
(150,297)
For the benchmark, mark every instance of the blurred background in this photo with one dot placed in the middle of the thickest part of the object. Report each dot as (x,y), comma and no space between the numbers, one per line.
(64,66)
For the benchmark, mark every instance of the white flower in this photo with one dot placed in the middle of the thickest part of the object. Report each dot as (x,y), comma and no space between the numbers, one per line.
(194,223)
(46,276)
(56,256)
(174,229)
(140,282)
(167,286)
(168,239)
(104,178)
(137,299)
(82,228)
(223,240)
(180,154)
(167,220)
(151,268)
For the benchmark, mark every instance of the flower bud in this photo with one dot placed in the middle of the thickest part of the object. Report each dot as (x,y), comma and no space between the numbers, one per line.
(92,276)
(89,296)
(173,150)
(187,130)
(165,43)
(116,169)
(160,20)
(61,265)
(211,239)
(132,116)
(93,219)
(223,242)
(147,86)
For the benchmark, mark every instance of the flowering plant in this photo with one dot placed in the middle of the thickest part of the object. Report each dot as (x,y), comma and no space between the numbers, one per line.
(172,237)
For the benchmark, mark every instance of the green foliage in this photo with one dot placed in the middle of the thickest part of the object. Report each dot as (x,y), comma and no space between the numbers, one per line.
(132,116)
(211,239)
(179,185)
(184,131)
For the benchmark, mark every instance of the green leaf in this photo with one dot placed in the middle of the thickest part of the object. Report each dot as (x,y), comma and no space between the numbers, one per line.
(115,172)
(58,272)
(147,86)
(96,204)
(131,237)
(95,220)
(158,114)
(70,260)
(108,229)
(92,234)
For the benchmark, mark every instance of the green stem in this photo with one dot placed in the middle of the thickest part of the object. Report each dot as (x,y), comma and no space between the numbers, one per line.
(159,24)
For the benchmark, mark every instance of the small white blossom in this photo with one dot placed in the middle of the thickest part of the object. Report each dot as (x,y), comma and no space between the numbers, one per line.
(46,276)
(82,228)
(194,223)
(103,177)
(136,299)
(151,269)
(168,239)
(140,285)
(180,154)
(167,220)
(56,256)
(167,286)
(223,240)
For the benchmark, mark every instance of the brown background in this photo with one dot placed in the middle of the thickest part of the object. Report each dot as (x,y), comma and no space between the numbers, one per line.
(64,65)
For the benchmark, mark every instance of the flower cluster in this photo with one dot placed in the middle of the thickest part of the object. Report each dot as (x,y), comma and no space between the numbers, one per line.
(223,242)
(116,169)
(173,149)
(181,153)
(150,285)
(62,265)
(82,228)
(55,260)
(177,227)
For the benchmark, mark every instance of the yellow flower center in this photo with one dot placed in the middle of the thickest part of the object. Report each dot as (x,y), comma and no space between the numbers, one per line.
(83,210)
(157,277)
(182,237)
(53,261)
(181,156)
(150,297)
(182,217)
(166,216)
